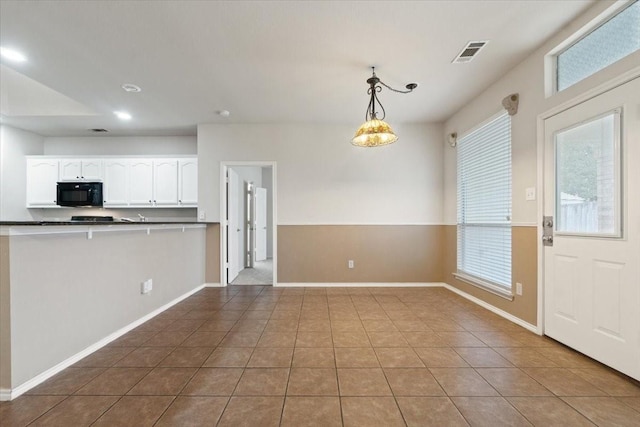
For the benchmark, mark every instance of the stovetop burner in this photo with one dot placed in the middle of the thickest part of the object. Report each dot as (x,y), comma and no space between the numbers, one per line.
(90,218)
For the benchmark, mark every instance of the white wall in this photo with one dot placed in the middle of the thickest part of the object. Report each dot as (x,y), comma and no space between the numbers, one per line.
(120,146)
(527,79)
(323,179)
(14,145)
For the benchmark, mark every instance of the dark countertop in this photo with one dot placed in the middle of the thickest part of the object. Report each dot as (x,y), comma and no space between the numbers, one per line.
(86,223)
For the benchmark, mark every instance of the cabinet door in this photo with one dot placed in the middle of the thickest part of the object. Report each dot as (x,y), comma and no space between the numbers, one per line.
(92,169)
(116,183)
(141,182)
(165,182)
(70,169)
(188,182)
(42,177)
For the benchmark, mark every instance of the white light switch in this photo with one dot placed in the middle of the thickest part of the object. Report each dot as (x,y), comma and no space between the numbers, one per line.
(531,193)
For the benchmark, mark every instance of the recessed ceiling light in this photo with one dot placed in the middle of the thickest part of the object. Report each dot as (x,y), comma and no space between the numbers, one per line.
(122,115)
(224,113)
(128,87)
(12,55)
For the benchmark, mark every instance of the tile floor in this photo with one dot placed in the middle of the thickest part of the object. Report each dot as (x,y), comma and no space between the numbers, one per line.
(259,356)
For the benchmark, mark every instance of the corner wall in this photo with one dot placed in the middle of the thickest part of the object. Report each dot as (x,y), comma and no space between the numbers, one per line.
(527,79)
(14,145)
(5,316)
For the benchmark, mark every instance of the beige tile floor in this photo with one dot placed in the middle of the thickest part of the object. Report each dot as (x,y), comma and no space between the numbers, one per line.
(259,356)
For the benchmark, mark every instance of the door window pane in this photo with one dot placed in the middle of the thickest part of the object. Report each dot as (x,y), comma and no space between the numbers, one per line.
(588,177)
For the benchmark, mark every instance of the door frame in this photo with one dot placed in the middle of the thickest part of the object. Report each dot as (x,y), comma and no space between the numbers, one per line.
(224,167)
(540,136)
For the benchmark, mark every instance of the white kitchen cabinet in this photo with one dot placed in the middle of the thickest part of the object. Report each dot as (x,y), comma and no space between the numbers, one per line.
(165,182)
(42,178)
(85,169)
(188,182)
(116,183)
(141,183)
(128,182)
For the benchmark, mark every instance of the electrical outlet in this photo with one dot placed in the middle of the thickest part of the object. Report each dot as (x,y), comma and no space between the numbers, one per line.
(518,288)
(351,263)
(146,286)
(202,215)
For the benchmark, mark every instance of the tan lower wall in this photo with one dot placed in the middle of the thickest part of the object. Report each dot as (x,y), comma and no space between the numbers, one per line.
(524,270)
(5,315)
(381,253)
(212,254)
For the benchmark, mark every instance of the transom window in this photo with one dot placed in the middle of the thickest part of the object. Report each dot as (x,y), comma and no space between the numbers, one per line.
(611,41)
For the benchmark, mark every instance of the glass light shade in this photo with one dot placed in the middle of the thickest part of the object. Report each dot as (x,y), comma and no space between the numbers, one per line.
(374,133)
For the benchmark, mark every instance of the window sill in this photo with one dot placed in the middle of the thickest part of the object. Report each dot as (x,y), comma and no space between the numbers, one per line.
(489,287)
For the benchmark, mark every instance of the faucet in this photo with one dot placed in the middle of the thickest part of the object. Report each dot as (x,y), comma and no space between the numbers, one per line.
(142,218)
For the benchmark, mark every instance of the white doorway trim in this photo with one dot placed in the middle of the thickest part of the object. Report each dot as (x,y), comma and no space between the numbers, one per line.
(224,166)
(540,135)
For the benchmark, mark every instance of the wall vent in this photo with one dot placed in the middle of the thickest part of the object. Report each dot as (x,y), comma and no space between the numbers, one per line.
(469,51)
(98,130)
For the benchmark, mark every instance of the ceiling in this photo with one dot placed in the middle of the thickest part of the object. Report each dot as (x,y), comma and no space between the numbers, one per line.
(264,61)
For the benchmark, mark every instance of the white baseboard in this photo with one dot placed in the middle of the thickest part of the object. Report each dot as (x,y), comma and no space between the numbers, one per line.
(359,285)
(28,385)
(493,309)
(213,285)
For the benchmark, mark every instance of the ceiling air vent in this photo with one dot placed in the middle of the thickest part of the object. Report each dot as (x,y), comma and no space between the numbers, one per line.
(469,51)
(98,130)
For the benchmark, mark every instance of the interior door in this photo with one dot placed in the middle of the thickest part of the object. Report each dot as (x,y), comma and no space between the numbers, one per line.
(233,229)
(591,193)
(261,224)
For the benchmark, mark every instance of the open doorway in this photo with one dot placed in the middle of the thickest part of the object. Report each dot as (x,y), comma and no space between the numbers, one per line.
(248,244)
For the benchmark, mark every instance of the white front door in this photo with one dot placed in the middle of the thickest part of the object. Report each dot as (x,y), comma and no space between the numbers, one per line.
(233,229)
(592,194)
(261,224)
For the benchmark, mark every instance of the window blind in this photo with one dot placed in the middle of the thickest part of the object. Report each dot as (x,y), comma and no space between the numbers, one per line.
(484,202)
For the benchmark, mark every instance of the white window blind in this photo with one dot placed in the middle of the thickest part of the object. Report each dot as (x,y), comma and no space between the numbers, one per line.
(484,203)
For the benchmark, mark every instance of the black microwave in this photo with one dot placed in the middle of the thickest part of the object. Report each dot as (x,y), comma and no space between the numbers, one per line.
(76,194)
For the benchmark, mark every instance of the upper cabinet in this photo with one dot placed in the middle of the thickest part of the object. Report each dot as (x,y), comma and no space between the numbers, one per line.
(42,178)
(116,183)
(165,182)
(84,169)
(141,182)
(128,182)
(188,182)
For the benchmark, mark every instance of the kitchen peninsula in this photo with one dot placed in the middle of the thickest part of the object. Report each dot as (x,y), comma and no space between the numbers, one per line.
(68,288)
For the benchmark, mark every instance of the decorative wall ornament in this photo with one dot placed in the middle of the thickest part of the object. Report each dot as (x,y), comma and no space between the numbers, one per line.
(510,103)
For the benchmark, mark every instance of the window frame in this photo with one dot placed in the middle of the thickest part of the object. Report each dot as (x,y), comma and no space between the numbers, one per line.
(489,286)
(551,59)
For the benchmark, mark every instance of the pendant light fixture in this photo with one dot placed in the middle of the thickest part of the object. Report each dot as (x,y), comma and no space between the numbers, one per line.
(375,131)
